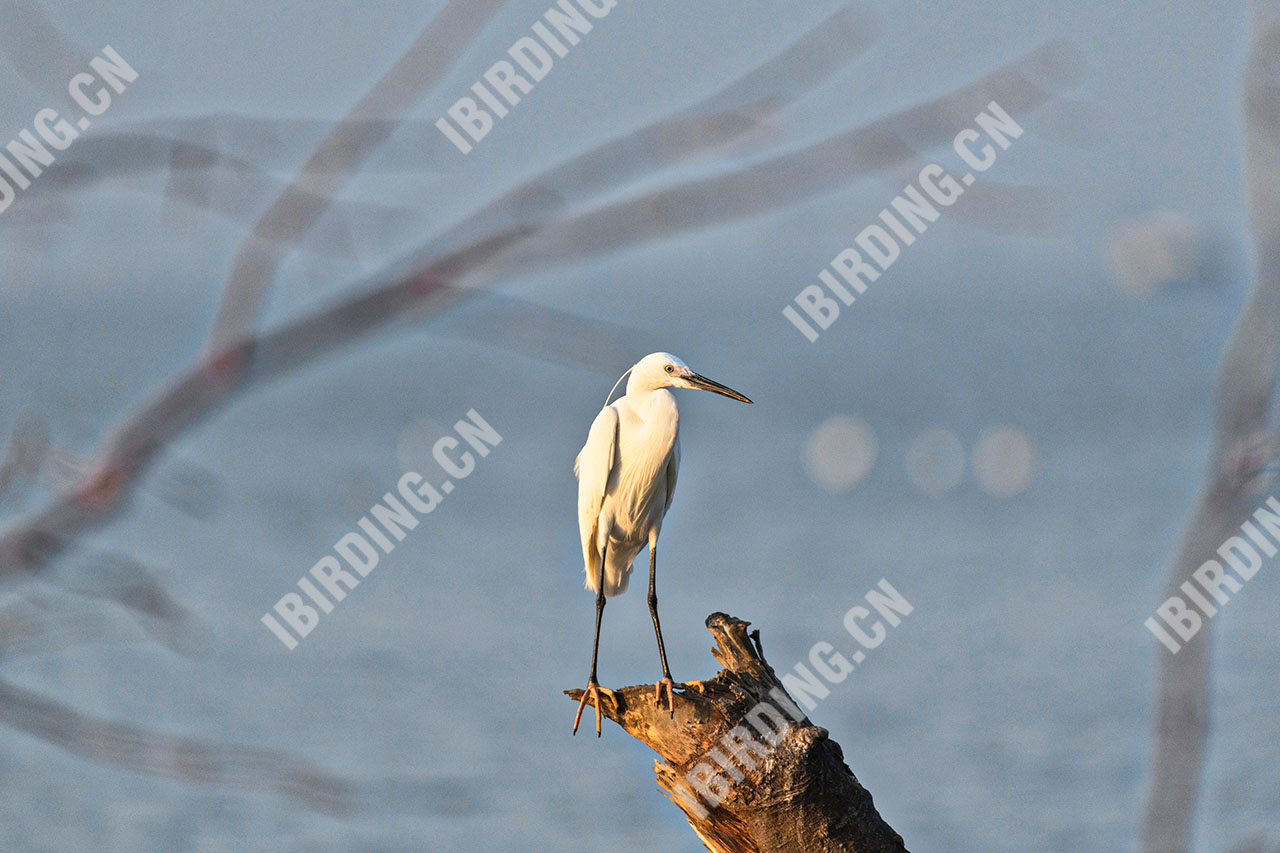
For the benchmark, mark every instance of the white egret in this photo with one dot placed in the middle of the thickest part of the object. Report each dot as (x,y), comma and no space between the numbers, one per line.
(626,478)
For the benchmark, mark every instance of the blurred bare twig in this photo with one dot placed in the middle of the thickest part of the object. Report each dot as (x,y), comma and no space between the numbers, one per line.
(25,453)
(134,748)
(40,52)
(1242,446)
(353,139)
(784,180)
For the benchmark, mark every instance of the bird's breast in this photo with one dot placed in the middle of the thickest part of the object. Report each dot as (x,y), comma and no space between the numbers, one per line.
(640,491)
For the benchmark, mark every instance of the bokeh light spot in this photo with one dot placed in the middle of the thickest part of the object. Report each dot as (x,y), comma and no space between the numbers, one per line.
(1004,461)
(840,453)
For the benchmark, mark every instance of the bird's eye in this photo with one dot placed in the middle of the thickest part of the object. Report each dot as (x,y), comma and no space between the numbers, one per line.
(670,369)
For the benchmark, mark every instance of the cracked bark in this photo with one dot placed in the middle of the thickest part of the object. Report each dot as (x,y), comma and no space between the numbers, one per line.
(795,795)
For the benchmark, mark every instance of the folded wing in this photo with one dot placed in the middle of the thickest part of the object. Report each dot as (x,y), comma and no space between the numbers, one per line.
(593,467)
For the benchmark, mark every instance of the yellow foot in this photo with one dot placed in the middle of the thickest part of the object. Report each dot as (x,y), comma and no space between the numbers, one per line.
(593,692)
(666,687)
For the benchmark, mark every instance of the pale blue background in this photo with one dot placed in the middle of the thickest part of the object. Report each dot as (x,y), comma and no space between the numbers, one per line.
(1011,711)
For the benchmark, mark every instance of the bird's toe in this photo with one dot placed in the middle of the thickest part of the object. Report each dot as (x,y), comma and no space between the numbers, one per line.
(592,694)
(666,689)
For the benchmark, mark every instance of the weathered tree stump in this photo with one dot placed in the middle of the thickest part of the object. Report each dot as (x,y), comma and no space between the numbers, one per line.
(749,770)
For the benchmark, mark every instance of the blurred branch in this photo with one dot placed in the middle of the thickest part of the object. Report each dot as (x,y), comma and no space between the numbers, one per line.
(40,624)
(204,173)
(191,178)
(728,115)
(127,583)
(788,179)
(40,52)
(206,762)
(25,453)
(1242,446)
(352,140)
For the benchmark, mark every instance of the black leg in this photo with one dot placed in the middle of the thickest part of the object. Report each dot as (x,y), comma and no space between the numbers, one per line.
(593,691)
(653,606)
(595,644)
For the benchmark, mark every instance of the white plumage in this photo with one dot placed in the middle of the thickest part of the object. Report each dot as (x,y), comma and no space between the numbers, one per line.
(626,478)
(622,503)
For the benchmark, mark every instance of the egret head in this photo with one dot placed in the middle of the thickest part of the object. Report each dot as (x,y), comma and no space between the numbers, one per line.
(664,370)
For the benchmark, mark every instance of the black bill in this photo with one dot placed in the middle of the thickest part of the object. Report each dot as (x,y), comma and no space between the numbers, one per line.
(710,385)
